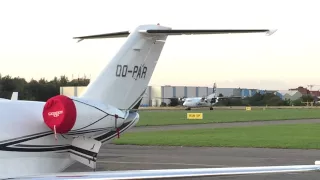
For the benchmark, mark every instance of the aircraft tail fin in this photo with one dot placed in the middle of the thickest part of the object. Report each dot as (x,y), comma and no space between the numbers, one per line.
(124,80)
(14,96)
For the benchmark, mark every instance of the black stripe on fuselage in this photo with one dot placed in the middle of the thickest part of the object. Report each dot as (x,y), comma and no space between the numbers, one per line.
(107,138)
(46,149)
(36,146)
(35,136)
(39,135)
(108,135)
(94,159)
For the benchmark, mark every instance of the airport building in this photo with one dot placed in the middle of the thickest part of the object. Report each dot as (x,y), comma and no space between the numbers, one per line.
(155,95)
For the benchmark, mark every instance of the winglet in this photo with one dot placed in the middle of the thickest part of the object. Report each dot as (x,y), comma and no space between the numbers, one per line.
(271,31)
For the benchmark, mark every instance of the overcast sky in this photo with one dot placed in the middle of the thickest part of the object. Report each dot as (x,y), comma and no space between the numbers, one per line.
(36,40)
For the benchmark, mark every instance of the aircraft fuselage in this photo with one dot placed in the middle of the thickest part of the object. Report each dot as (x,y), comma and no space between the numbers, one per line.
(196,102)
(28,146)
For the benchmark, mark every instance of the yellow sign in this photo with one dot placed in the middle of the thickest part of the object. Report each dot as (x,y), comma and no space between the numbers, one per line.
(194,116)
(248,108)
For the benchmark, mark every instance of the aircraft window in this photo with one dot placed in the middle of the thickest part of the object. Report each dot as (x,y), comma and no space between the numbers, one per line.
(189,100)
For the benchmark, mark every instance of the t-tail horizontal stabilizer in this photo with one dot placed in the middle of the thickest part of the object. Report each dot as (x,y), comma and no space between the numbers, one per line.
(205,31)
(85,151)
(178,32)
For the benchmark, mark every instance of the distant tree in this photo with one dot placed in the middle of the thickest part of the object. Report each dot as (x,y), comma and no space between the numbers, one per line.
(163,104)
(174,102)
(298,102)
(307,98)
(40,90)
(287,102)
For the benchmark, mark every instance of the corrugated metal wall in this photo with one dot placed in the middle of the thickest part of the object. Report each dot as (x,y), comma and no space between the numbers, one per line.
(237,92)
(72,90)
(202,91)
(180,91)
(226,92)
(155,95)
(146,100)
(155,102)
(80,90)
(67,91)
(210,91)
(156,92)
(245,93)
(191,92)
(167,92)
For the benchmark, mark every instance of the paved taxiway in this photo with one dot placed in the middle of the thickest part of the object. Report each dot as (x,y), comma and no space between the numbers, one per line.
(222,125)
(129,157)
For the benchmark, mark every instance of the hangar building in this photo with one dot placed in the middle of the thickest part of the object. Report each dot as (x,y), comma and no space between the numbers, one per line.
(155,95)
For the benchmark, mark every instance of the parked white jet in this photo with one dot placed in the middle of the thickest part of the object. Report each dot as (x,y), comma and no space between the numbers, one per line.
(46,137)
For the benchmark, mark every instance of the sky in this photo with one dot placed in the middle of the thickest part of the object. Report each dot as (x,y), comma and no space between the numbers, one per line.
(36,40)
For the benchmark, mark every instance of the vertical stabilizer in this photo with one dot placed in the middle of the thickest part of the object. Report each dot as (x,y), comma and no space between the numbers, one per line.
(124,80)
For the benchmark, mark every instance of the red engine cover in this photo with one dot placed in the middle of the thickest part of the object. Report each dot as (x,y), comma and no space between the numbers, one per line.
(60,111)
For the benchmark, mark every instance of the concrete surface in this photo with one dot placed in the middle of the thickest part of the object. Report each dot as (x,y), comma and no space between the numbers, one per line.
(130,157)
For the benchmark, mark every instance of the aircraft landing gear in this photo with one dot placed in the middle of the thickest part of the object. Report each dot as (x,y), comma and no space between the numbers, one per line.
(211,108)
(188,109)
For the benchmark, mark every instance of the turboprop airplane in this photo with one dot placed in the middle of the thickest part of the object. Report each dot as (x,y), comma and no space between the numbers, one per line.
(209,101)
(196,102)
(40,139)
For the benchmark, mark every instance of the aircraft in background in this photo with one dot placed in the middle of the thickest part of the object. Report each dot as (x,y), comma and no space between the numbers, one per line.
(14,97)
(209,101)
(40,139)
(197,102)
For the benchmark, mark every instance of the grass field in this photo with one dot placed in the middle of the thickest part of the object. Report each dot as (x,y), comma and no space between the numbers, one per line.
(171,117)
(297,136)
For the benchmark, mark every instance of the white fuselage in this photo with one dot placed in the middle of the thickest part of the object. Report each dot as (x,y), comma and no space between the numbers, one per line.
(28,146)
(196,102)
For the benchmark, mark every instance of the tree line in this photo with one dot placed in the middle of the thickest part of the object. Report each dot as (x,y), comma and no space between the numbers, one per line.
(36,90)
(258,99)
(266,99)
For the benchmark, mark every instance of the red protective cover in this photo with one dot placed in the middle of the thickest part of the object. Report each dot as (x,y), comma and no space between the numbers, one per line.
(60,111)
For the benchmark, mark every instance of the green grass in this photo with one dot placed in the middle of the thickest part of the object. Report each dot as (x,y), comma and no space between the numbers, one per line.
(171,117)
(296,136)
